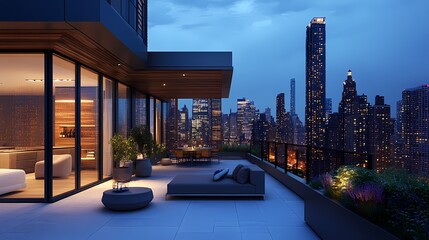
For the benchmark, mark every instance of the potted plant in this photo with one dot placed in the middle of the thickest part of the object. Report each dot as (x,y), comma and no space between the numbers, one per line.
(158,152)
(124,153)
(145,146)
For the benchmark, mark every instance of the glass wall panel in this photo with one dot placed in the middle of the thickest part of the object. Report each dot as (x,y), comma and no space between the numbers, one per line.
(164,122)
(140,109)
(108,89)
(124,113)
(64,126)
(89,126)
(158,122)
(151,117)
(22,111)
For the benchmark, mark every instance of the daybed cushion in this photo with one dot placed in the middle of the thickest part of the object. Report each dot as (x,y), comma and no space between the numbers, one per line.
(243,175)
(11,180)
(219,174)
(203,184)
(236,169)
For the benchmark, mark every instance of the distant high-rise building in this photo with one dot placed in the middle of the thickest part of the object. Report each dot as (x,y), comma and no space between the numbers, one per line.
(334,132)
(261,128)
(328,108)
(201,126)
(183,126)
(207,122)
(216,122)
(281,127)
(268,114)
(292,96)
(233,127)
(246,114)
(348,105)
(298,130)
(381,130)
(415,129)
(315,76)
(172,128)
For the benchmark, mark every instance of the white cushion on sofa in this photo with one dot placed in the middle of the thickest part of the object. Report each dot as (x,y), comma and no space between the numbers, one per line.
(11,180)
(219,174)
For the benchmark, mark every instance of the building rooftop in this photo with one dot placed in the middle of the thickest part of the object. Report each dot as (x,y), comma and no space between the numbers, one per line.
(82,216)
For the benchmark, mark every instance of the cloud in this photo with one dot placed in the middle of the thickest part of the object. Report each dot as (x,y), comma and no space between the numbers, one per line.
(383,42)
(242,7)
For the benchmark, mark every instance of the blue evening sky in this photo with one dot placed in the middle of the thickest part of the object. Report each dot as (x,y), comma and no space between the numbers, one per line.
(384,43)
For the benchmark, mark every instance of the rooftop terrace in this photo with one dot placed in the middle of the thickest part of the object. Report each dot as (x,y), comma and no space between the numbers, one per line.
(82,216)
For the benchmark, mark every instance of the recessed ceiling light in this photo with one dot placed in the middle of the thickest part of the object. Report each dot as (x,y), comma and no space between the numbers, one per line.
(119,64)
(184,75)
(164,84)
(34,80)
(63,80)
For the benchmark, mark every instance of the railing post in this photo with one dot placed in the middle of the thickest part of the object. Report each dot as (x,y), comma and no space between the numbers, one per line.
(286,157)
(307,164)
(275,154)
(370,162)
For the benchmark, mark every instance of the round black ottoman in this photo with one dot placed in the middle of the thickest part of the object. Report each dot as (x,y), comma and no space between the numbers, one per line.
(134,198)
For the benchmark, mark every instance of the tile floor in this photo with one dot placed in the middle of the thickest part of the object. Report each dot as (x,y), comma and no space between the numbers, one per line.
(82,216)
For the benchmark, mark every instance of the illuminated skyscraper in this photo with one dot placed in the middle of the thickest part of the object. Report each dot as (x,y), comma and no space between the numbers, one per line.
(183,126)
(415,129)
(246,113)
(315,112)
(216,122)
(381,129)
(207,121)
(201,121)
(292,96)
(281,128)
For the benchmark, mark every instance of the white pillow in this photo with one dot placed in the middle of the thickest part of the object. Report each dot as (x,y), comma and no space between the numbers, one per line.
(219,174)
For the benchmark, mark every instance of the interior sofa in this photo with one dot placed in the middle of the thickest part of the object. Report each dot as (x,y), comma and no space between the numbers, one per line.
(204,185)
(11,180)
(61,166)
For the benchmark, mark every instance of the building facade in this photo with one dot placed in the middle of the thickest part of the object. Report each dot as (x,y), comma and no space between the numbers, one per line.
(67,90)
(246,114)
(415,129)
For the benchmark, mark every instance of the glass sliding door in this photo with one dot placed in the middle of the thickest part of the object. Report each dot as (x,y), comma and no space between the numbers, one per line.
(64,146)
(158,122)
(108,90)
(89,126)
(124,113)
(140,109)
(22,142)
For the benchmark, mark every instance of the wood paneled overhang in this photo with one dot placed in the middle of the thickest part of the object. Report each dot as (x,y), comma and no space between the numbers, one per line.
(179,77)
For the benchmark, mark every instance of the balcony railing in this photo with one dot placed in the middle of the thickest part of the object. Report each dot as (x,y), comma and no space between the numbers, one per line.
(307,161)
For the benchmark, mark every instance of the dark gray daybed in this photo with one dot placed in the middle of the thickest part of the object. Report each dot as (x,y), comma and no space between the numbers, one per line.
(203,185)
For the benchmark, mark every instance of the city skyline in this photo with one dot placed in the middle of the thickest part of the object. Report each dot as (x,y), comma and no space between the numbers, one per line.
(267,41)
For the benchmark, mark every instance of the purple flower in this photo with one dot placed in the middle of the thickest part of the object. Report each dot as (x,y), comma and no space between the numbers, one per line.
(366,192)
(326,180)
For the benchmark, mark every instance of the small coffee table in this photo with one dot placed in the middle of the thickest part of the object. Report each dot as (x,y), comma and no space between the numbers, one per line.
(134,198)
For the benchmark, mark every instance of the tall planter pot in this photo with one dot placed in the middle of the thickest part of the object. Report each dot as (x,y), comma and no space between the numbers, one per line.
(143,168)
(122,174)
(331,220)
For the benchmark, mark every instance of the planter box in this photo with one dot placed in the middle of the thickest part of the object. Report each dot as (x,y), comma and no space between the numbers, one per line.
(232,155)
(330,220)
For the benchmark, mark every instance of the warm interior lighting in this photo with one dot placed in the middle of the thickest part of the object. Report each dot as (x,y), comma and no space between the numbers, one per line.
(34,80)
(72,101)
(184,75)
(63,80)
(164,84)
(119,64)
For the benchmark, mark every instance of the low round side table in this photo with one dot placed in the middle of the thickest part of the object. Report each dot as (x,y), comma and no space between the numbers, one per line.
(134,198)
